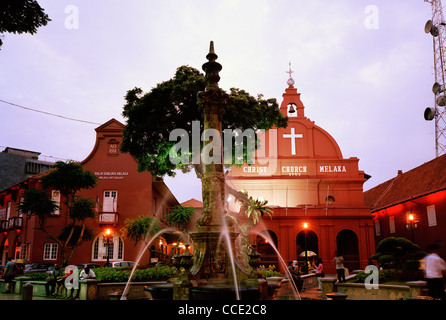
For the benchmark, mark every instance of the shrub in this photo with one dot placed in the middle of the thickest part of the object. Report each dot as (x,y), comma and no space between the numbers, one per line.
(384,275)
(140,275)
(38,276)
(265,273)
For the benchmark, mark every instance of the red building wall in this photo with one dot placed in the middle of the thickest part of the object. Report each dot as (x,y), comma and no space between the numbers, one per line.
(429,228)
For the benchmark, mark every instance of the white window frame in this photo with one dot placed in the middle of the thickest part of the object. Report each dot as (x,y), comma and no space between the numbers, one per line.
(50,251)
(106,205)
(24,251)
(392,224)
(431,216)
(377,228)
(116,247)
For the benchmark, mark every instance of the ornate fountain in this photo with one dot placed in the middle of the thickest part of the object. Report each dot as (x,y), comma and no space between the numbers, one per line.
(214,271)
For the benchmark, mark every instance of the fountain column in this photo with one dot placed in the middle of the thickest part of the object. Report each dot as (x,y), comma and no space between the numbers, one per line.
(211,257)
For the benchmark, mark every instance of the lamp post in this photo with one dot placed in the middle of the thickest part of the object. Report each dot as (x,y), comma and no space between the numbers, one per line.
(107,236)
(305,247)
(411,225)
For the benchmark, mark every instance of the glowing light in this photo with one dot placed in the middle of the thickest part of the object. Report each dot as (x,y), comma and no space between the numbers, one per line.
(411,217)
(305,225)
(107,232)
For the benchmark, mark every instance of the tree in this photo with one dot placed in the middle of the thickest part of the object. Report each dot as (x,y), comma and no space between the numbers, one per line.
(175,107)
(140,229)
(398,252)
(21,16)
(180,216)
(173,104)
(254,210)
(69,178)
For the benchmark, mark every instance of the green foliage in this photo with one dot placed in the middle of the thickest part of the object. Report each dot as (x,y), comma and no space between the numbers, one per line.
(140,228)
(140,275)
(21,16)
(396,246)
(398,252)
(255,209)
(180,215)
(38,276)
(76,230)
(173,104)
(265,273)
(82,209)
(69,178)
(384,275)
(37,202)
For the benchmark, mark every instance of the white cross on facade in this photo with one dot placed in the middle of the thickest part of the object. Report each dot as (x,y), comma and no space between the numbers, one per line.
(293,137)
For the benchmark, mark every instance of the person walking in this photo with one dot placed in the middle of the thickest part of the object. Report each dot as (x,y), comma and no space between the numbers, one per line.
(9,275)
(435,267)
(340,270)
(319,272)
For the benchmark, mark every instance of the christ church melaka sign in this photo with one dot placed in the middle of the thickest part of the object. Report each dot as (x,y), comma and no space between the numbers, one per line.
(286,167)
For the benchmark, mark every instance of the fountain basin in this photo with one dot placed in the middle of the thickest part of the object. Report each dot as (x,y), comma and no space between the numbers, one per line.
(160,291)
(222,292)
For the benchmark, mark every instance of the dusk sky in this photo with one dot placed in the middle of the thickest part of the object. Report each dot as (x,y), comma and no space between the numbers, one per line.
(364,69)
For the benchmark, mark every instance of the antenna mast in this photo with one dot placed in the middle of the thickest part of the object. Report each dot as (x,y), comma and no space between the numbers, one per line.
(436,27)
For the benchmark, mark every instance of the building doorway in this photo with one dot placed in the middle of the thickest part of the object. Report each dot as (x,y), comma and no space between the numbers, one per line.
(306,239)
(347,246)
(312,242)
(268,255)
(113,247)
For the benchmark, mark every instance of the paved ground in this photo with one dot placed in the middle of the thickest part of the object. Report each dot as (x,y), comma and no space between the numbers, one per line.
(311,293)
(12,296)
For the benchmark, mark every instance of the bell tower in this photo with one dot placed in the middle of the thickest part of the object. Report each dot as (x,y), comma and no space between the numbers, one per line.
(292,106)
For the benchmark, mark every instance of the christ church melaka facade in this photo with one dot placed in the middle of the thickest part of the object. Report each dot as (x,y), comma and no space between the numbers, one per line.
(316,194)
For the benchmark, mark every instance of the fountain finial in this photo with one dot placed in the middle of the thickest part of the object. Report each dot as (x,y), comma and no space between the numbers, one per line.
(212,68)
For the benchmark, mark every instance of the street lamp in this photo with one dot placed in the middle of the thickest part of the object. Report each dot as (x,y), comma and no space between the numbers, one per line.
(107,237)
(305,248)
(411,225)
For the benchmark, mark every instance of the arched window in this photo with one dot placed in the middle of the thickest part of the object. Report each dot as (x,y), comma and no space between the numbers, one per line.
(306,239)
(115,248)
(268,256)
(347,246)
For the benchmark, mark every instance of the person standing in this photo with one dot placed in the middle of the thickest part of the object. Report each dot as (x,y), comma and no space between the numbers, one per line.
(434,269)
(319,272)
(9,274)
(339,263)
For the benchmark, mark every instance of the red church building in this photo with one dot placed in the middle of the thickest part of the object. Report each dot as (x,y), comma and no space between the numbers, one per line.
(316,194)
(121,193)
